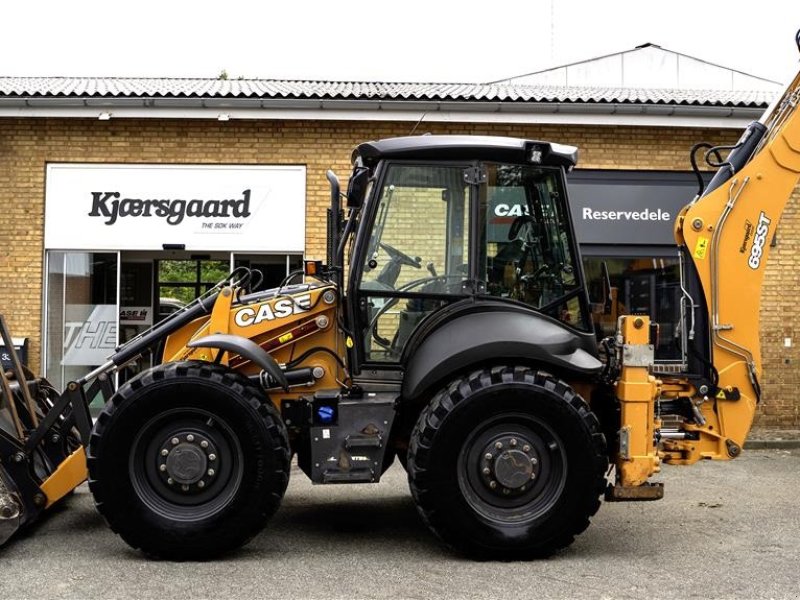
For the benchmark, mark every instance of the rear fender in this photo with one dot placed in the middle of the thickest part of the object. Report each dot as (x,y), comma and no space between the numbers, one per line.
(479,334)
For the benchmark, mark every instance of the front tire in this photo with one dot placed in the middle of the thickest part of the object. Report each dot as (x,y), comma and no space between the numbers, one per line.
(188,461)
(507,463)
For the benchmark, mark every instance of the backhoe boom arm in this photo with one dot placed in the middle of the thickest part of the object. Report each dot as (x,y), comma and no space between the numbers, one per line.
(728,232)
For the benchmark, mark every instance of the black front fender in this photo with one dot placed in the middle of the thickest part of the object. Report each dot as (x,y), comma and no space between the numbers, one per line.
(478,338)
(245,347)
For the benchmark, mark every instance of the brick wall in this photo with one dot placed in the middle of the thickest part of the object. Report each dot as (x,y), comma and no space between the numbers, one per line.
(26,145)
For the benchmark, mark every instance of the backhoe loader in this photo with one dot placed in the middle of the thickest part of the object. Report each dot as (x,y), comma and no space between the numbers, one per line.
(470,358)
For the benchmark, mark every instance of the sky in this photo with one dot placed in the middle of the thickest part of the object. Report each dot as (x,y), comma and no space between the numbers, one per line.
(379,40)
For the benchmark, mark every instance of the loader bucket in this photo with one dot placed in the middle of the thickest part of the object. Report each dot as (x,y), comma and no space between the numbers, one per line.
(42,436)
(9,509)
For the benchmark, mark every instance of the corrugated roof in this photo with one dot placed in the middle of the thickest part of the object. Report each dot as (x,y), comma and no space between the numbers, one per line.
(115,87)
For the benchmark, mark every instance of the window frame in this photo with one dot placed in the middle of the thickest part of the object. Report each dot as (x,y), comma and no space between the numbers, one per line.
(580,291)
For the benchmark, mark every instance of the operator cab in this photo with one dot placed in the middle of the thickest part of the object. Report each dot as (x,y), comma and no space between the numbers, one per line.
(450,218)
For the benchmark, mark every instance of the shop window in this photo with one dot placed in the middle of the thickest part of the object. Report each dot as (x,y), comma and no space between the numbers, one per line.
(643,286)
(181,281)
(81,313)
(136,312)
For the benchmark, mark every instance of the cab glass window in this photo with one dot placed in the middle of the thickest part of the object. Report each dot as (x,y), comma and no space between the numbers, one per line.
(528,252)
(418,246)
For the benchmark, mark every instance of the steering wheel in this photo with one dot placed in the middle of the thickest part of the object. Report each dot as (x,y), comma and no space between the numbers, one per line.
(403,258)
(391,302)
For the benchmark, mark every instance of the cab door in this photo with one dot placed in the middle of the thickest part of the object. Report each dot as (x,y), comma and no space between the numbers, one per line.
(413,259)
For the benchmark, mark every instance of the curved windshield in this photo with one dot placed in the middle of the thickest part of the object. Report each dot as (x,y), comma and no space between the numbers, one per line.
(529,254)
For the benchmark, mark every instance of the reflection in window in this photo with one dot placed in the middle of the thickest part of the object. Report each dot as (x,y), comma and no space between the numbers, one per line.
(529,254)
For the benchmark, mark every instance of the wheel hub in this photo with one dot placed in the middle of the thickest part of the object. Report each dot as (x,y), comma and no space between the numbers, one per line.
(510,465)
(188,462)
(513,469)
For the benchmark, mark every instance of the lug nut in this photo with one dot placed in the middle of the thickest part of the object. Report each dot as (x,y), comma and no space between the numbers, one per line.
(522,489)
(486,470)
(534,460)
(211,472)
(204,444)
(185,487)
(533,475)
(175,441)
(513,442)
(201,484)
(488,456)
(212,457)
(498,445)
(492,484)
(164,452)
(162,468)
(526,448)
(506,491)
(190,438)
(170,481)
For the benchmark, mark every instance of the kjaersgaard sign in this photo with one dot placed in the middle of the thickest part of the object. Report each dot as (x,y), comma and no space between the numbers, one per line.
(203,207)
(110,206)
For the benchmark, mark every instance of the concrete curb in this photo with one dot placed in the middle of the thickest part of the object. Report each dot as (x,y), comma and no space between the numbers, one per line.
(766,444)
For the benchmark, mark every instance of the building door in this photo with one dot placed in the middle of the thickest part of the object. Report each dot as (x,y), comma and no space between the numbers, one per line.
(181,280)
(153,286)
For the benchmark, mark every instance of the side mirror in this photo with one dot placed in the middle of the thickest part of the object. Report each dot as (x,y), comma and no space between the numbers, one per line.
(607,296)
(357,187)
(516,226)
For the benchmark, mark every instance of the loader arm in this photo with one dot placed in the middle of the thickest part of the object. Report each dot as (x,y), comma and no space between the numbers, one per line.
(728,232)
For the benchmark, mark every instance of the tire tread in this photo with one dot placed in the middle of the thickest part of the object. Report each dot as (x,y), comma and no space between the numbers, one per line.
(444,403)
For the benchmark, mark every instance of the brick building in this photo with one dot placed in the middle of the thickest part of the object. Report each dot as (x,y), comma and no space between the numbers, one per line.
(81,273)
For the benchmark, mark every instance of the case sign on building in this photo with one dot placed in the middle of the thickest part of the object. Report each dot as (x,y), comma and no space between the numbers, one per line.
(198,207)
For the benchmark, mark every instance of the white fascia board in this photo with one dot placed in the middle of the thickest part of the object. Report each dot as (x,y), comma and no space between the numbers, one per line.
(642,115)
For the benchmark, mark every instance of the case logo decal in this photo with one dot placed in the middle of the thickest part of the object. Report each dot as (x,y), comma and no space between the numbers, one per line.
(283,308)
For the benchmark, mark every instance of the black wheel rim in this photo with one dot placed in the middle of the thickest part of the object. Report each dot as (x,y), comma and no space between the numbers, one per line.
(512,469)
(186,464)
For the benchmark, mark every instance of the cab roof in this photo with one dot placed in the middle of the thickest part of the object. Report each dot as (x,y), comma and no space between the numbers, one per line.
(467,147)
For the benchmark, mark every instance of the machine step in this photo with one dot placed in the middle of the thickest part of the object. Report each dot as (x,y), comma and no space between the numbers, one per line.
(351,476)
(363,441)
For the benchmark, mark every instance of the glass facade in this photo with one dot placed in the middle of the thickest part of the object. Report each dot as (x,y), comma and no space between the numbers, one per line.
(81,313)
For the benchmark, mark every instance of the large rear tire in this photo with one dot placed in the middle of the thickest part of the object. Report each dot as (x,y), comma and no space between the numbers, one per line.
(188,461)
(507,463)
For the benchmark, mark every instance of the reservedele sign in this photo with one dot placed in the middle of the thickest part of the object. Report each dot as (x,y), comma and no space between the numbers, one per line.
(202,207)
(590,214)
(628,207)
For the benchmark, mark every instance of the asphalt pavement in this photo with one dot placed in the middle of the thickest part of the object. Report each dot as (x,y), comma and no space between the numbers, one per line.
(723,530)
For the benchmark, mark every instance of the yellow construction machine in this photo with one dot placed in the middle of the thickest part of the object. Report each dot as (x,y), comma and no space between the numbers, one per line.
(471,358)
